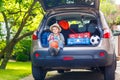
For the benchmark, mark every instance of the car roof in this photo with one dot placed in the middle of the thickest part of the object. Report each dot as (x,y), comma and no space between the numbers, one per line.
(68,4)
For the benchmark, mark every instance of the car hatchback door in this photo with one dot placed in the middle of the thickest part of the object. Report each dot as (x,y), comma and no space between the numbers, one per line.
(68,4)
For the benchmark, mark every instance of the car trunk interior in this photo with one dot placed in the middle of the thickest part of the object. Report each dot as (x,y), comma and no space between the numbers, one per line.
(79,29)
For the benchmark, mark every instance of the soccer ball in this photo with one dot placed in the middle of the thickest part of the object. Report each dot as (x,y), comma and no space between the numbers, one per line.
(95,40)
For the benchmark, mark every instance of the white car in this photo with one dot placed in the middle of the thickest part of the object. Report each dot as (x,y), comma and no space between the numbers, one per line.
(88,39)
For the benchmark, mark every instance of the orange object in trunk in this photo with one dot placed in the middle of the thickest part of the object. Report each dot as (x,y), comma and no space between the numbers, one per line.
(54,44)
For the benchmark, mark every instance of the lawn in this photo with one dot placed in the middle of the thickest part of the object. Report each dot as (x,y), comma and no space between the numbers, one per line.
(16,71)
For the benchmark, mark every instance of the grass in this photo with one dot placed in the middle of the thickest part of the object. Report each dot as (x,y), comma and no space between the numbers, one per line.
(15,71)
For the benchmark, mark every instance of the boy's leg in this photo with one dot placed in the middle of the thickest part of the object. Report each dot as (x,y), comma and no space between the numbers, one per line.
(53,51)
(56,51)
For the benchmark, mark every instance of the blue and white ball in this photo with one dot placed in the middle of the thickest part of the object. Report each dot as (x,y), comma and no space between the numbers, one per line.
(95,39)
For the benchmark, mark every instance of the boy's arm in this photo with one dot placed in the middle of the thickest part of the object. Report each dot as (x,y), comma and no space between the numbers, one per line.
(62,37)
(49,37)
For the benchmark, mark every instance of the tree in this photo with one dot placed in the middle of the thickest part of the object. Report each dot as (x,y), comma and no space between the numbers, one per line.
(111,12)
(20,17)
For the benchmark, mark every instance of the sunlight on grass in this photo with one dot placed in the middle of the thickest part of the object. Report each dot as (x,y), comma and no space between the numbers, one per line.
(16,71)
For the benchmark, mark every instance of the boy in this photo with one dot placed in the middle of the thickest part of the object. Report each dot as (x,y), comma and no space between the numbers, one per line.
(55,38)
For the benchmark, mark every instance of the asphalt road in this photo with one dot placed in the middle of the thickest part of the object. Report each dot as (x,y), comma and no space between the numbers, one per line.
(77,75)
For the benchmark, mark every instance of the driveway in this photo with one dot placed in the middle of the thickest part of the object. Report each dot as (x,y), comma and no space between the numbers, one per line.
(77,75)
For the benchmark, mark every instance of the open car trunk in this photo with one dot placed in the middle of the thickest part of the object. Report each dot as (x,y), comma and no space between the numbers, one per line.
(49,5)
(84,29)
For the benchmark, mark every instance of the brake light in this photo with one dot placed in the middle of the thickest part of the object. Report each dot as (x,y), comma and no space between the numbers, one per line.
(106,33)
(67,58)
(37,55)
(101,54)
(34,36)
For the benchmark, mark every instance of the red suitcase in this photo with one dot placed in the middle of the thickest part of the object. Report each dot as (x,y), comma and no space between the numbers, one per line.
(80,35)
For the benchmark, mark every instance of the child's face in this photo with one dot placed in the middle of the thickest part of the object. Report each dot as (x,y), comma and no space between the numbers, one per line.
(55,30)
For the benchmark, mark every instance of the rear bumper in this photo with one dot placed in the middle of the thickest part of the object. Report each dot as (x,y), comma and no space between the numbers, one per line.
(72,60)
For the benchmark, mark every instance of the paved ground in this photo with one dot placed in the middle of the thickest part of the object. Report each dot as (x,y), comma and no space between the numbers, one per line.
(77,75)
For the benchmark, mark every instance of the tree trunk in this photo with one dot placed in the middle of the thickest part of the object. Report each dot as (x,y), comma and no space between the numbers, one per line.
(2,52)
(7,56)
(4,62)
(0,57)
(8,33)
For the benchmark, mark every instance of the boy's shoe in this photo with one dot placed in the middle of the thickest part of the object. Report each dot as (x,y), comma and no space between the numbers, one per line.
(53,51)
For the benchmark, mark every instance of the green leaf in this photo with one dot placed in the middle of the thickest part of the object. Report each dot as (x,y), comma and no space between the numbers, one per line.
(19,1)
(1,6)
(2,9)
(1,3)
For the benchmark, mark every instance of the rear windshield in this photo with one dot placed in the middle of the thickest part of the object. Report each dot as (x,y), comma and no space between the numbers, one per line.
(62,3)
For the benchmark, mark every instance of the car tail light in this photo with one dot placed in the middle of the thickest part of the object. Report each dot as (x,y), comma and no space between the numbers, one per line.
(37,55)
(101,54)
(34,36)
(67,58)
(106,34)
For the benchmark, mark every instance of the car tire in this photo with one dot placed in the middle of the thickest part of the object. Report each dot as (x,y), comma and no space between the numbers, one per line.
(60,71)
(38,73)
(102,70)
(109,71)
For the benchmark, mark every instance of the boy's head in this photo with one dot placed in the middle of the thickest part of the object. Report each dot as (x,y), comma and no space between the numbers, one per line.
(55,28)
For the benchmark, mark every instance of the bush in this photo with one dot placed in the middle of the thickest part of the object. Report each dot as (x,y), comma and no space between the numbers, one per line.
(118,20)
(23,46)
(22,57)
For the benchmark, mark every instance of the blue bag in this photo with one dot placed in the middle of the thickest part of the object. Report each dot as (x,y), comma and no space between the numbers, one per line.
(44,40)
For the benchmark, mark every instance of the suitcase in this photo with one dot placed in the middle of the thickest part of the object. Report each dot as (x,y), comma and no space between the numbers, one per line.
(78,41)
(73,35)
(80,35)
